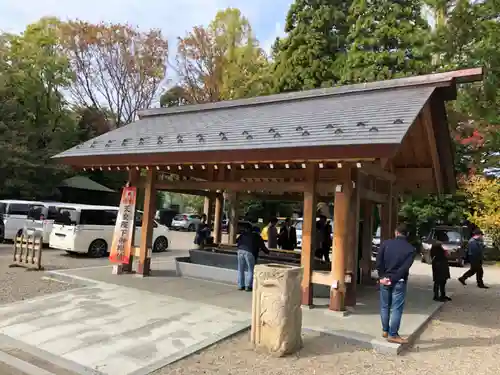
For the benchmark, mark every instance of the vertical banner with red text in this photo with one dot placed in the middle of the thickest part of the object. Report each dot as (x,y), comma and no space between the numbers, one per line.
(121,246)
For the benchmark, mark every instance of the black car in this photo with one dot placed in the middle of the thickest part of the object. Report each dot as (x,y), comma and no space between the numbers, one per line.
(454,240)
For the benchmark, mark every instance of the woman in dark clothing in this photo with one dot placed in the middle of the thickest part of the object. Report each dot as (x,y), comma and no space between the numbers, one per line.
(440,272)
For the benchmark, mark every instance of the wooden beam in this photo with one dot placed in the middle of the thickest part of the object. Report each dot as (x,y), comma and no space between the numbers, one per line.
(201,193)
(219,205)
(233,186)
(366,239)
(309,233)
(340,245)
(385,218)
(352,240)
(431,139)
(144,267)
(372,195)
(208,209)
(378,172)
(414,174)
(233,218)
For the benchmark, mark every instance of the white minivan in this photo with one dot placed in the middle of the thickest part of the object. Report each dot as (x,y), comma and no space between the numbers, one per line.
(89,229)
(41,217)
(14,214)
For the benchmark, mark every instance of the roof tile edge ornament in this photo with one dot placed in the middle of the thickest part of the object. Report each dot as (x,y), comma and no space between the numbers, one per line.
(398,121)
(444,78)
(338,131)
(373,129)
(125,141)
(361,123)
(159,140)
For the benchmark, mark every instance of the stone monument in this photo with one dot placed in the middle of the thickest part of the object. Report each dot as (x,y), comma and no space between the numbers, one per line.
(276,309)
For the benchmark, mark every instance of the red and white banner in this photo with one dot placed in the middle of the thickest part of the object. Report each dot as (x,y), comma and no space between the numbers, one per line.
(121,246)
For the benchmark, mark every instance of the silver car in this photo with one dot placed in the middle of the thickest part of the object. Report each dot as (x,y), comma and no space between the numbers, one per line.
(187,222)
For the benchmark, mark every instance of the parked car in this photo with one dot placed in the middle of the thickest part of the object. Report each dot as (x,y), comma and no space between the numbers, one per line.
(187,222)
(454,240)
(165,216)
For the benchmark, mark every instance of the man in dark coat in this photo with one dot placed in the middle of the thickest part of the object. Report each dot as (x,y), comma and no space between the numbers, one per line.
(324,240)
(394,259)
(249,243)
(288,236)
(475,254)
(440,272)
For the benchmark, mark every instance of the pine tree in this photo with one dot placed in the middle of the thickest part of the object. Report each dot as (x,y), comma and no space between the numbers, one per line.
(312,53)
(387,39)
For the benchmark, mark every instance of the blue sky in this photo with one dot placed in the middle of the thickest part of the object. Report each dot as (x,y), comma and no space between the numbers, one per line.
(173,17)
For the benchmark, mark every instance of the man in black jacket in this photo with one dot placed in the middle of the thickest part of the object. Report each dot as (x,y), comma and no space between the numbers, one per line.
(287,239)
(250,243)
(394,259)
(475,254)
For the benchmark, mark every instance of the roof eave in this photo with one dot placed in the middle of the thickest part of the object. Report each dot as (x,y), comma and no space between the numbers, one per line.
(267,155)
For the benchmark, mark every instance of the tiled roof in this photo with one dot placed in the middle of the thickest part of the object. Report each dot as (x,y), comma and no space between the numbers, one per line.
(353,117)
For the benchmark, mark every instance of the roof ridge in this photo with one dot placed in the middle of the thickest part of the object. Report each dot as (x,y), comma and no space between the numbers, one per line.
(464,75)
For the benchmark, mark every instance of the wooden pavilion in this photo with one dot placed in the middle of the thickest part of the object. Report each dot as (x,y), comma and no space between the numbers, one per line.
(358,145)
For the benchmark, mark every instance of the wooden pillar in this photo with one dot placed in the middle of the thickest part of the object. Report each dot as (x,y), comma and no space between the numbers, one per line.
(233,218)
(340,243)
(386,217)
(208,209)
(144,266)
(219,205)
(367,238)
(394,212)
(133,180)
(309,233)
(352,264)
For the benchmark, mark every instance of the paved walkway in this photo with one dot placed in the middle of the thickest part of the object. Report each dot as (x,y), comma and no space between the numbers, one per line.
(110,329)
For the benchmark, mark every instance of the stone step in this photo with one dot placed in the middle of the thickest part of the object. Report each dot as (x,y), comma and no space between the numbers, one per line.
(28,364)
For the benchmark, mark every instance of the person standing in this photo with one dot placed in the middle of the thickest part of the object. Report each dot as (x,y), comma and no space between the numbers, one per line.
(440,272)
(249,243)
(272,234)
(288,236)
(475,254)
(394,259)
(324,239)
(202,235)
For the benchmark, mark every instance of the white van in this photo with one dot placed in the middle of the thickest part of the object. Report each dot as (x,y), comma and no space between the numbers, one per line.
(41,217)
(15,213)
(89,229)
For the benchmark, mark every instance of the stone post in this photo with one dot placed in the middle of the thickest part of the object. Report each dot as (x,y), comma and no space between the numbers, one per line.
(276,309)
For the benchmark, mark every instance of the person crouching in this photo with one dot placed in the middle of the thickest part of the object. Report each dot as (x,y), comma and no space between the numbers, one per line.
(440,272)
(249,243)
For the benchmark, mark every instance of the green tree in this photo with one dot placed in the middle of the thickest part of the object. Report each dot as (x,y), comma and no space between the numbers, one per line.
(422,213)
(35,122)
(222,61)
(313,52)
(470,36)
(387,39)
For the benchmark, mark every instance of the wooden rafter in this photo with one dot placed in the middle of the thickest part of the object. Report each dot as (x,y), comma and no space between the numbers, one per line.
(431,139)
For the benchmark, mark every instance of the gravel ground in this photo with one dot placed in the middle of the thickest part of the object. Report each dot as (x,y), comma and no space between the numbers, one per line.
(17,284)
(463,339)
